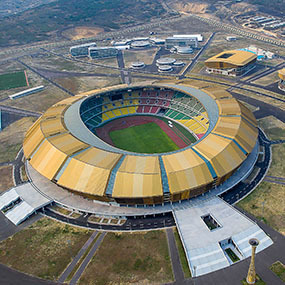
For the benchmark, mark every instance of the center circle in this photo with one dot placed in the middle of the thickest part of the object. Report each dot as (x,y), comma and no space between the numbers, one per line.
(145,120)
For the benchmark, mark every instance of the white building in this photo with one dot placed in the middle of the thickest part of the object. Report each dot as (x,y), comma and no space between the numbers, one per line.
(81,50)
(26,92)
(102,52)
(183,41)
(199,37)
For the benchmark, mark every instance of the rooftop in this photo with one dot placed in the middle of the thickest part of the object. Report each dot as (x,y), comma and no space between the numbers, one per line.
(236,57)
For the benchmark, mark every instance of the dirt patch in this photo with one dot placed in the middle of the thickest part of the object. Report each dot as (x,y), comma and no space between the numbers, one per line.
(277,167)
(274,128)
(6,181)
(137,258)
(190,7)
(82,32)
(267,202)
(243,7)
(44,249)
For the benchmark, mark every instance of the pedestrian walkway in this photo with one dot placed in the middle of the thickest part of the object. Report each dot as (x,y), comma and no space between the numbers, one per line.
(210,227)
(88,258)
(82,251)
(21,202)
(174,255)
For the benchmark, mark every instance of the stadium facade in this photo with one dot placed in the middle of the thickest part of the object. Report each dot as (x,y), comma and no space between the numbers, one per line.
(281,83)
(231,63)
(62,145)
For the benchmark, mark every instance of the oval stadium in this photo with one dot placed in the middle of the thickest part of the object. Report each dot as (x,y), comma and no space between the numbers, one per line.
(143,144)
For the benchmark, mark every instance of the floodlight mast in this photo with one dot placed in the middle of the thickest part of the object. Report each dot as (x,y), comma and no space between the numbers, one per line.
(251,275)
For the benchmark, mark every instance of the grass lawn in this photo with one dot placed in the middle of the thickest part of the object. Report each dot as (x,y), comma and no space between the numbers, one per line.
(146,138)
(44,249)
(182,255)
(272,195)
(12,80)
(137,258)
(279,269)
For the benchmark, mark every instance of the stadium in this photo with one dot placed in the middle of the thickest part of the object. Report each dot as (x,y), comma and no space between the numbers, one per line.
(143,144)
(231,63)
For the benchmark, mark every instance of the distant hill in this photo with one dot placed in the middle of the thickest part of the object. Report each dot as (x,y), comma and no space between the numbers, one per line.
(11,7)
(44,22)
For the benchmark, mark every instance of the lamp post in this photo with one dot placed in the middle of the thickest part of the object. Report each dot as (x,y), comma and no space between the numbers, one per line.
(251,275)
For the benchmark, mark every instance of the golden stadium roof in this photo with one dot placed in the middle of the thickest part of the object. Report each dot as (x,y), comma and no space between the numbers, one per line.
(89,170)
(234,57)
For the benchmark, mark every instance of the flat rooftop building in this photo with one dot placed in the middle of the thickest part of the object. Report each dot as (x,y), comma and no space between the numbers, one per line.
(26,92)
(199,37)
(231,63)
(81,50)
(102,52)
(181,41)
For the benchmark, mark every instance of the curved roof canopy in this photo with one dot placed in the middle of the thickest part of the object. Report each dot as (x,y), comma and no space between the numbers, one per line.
(59,155)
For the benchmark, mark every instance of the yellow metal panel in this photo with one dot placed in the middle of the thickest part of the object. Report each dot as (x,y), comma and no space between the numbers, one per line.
(98,157)
(137,177)
(229,107)
(52,126)
(216,93)
(223,154)
(140,164)
(67,143)
(69,100)
(247,136)
(228,126)
(56,110)
(246,113)
(33,138)
(47,160)
(85,178)
(185,170)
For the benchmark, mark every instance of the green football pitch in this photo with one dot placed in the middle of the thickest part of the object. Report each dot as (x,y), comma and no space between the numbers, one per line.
(146,138)
(12,80)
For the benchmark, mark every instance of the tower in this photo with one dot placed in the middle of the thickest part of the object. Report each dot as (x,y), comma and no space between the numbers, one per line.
(250,279)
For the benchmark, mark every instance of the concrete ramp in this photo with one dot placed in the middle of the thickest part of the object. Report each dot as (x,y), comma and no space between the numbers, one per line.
(30,201)
(8,198)
(205,245)
(19,213)
(241,240)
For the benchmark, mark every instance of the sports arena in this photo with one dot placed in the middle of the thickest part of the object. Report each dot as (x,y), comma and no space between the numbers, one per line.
(142,144)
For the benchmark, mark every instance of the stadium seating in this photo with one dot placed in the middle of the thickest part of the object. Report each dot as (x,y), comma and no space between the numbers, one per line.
(186,110)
